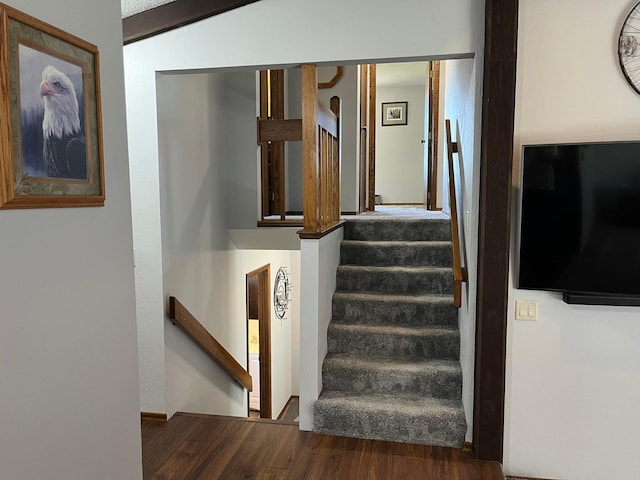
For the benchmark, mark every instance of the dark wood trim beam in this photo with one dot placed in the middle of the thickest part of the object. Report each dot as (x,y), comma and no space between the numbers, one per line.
(173,15)
(289,130)
(498,105)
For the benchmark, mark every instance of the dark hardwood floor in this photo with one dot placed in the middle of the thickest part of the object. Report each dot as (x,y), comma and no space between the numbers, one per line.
(211,447)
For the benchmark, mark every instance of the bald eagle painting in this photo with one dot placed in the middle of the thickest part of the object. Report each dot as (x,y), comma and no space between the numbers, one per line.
(64,153)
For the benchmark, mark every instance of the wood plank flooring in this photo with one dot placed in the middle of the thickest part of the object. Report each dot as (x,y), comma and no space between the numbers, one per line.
(198,447)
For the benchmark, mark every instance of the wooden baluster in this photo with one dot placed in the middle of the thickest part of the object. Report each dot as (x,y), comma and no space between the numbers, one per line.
(336,108)
(326,179)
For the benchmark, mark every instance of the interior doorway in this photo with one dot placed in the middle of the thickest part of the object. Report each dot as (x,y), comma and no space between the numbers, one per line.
(399,160)
(259,341)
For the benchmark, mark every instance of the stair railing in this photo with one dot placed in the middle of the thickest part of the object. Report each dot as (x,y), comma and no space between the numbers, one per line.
(181,317)
(459,272)
(320,159)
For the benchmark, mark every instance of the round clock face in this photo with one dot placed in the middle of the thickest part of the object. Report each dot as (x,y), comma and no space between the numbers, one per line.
(281,293)
(629,48)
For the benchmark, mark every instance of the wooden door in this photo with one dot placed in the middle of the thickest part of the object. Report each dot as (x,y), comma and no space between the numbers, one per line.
(258,295)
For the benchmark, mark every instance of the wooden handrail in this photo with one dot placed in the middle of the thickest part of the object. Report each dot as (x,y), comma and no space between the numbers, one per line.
(334,80)
(194,329)
(459,272)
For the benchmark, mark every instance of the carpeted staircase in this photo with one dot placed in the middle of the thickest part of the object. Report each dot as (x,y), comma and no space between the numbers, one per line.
(393,370)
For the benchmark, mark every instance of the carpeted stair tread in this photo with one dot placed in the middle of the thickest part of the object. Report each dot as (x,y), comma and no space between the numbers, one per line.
(407,418)
(392,375)
(384,340)
(397,229)
(358,278)
(359,252)
(394,309)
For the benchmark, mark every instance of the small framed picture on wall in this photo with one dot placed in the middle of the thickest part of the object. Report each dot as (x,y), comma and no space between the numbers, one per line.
(394,113)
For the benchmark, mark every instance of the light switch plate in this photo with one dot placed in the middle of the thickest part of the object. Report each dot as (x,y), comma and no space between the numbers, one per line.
(526,310)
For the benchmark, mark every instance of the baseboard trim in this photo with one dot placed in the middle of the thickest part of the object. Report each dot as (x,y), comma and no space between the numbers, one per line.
(286,405)
(402,203)
(467,447)
(153,417)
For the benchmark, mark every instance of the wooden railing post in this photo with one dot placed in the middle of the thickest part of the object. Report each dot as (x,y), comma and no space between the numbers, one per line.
(310,164)
(321,159)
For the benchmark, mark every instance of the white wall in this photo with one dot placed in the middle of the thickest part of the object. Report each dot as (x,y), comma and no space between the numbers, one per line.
(318,266)
(453,29)
(347,90)
(200,121)
(69,401)
(460,89)
(399,151)
(573,383)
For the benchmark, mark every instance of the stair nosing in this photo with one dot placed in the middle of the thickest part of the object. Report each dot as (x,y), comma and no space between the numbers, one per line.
(391,400)
(426,243)
(406,297)
(396,329)
(399,268)
(390,362)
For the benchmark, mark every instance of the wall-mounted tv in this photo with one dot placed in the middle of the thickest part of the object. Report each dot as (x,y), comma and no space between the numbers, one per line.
(580,221)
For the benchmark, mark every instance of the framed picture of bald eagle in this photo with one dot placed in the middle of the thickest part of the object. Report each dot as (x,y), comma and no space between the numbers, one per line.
(51,132)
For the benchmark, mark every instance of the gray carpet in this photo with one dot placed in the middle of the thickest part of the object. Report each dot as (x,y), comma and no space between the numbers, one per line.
(393,370)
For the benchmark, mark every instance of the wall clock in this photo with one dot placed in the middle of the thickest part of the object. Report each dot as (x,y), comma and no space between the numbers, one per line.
(281,293)
(628,47)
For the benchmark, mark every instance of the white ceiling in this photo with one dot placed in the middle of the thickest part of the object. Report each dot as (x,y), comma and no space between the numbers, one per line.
(131,7)
(401,74)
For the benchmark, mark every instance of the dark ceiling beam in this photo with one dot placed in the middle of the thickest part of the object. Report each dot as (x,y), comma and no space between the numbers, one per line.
(173,15)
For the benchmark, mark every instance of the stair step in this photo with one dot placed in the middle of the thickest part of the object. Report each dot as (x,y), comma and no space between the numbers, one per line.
(392,375)
(359,252)
(381,340)
(414,280)
(398,229)
(376,308)
(409,419)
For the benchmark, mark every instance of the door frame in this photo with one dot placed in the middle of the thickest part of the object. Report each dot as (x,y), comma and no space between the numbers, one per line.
(367,180)
(499,82)
(433,94)
(263,275)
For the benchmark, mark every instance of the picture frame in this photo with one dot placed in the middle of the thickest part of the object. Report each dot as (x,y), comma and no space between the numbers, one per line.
(51,148)
(394,113)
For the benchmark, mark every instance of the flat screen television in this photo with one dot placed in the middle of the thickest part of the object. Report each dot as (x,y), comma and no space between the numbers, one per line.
(580,221)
